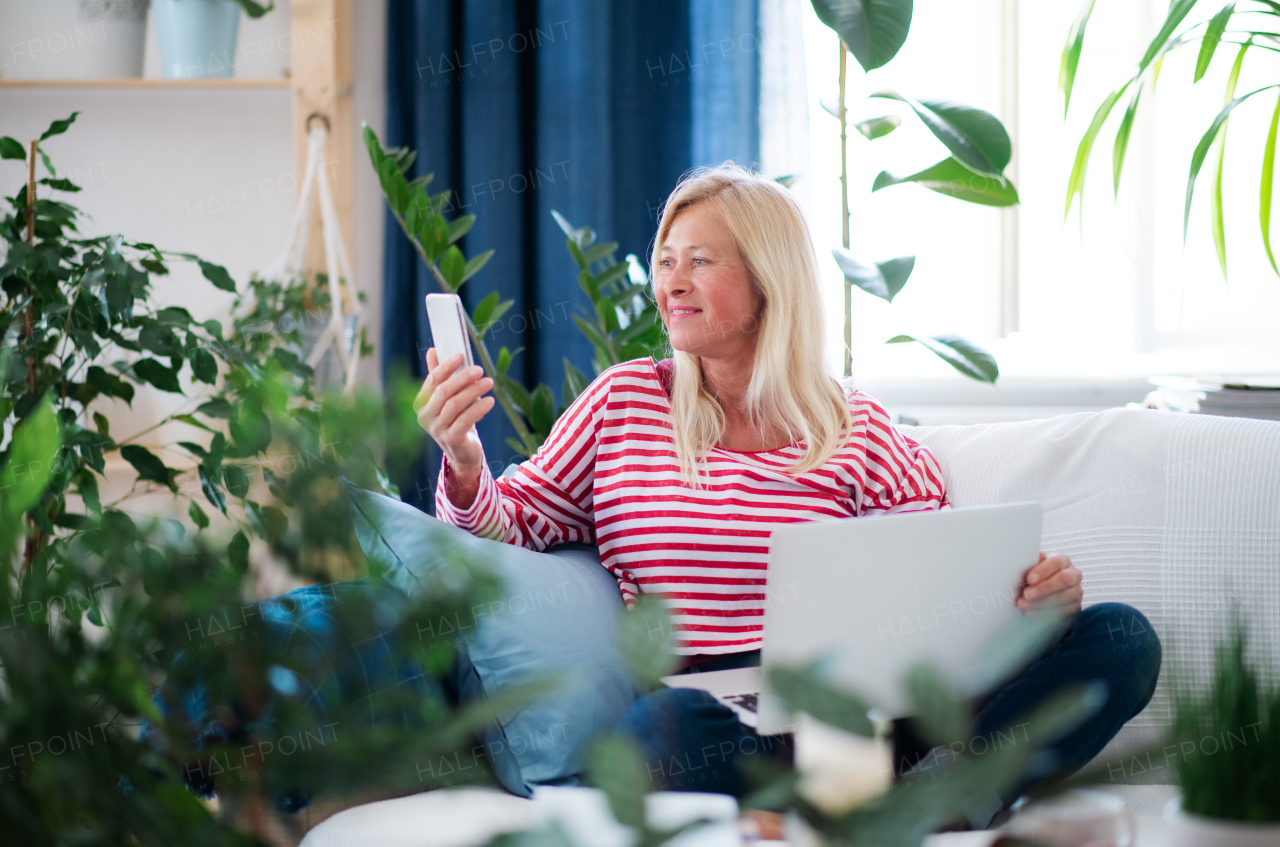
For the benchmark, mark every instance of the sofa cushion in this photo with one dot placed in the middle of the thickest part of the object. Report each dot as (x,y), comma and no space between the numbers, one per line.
(1177,515)
(556,617)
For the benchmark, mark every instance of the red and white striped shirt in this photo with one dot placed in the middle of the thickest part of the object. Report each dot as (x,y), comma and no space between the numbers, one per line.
(608,475)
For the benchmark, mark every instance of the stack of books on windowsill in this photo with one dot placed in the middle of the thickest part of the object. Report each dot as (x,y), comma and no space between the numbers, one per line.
(1254,396)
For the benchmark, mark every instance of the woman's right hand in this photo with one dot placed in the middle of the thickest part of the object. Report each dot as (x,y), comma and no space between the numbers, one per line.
(450,404)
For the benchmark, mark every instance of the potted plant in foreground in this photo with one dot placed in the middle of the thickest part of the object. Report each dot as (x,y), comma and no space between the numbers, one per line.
(1228,759)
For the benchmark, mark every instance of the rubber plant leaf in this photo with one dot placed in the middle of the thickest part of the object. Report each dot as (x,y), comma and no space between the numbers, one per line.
(965,356)
(882,279)
(873,30)
(975,137)
(953,179)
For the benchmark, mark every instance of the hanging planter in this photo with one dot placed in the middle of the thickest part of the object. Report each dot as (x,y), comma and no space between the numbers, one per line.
(198,37)
(118,36)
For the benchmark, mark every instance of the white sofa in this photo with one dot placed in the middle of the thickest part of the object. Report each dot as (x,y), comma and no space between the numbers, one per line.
(1178,515)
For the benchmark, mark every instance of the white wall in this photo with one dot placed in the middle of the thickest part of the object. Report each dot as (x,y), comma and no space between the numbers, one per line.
(205,171)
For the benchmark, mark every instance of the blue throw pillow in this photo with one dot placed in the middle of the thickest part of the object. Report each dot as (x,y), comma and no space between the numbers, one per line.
(557,616)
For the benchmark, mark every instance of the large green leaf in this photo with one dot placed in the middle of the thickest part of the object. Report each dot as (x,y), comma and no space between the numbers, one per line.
(1202,150)
(975,137)
(953,179)
(1075,184)
(147,464)
(11,148)
(873,30)
(1212,38)
(488,311)
(1071,54)
(1121,147)
(1266,190)
(1178,10)
(647,639)
(1216,214)
(475,263)
(803,691)
(881,279)
(32,457)
(452,267)
(965,356)
(615,766)
(218,275)
(158,375)
(253,9)
(58,127)
(939,712)
(878,127)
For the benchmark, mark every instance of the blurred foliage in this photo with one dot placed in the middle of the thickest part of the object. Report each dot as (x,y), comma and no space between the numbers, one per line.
(622,324)
(99,602)
(1228,740)
(82,321)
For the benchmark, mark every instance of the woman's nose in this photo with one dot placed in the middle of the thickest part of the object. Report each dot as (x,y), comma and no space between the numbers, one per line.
(674,281)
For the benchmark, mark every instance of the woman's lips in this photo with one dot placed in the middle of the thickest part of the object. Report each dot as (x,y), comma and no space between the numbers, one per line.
(675,317)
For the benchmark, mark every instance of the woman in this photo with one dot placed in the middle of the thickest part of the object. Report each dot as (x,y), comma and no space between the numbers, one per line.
(680,470)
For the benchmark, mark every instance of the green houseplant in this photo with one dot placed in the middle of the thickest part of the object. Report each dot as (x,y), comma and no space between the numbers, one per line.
(79,318)
(1247,28)
(101,600)
(873,31)
(623,322)
(1226,747)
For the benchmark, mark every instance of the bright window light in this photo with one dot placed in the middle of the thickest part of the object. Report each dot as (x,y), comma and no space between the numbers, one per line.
(1109,294)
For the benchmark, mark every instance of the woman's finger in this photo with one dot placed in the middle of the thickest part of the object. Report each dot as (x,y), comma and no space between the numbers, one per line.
(446,404)
(1064,579)
(468,418)
(446,389)
(462,400)
(1046,568)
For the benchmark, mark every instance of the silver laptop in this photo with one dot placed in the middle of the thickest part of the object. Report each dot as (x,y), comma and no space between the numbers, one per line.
(870,597)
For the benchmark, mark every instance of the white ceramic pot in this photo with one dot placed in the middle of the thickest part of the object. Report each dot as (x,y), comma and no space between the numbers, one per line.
(1187,830)
(122,25)
(73,39)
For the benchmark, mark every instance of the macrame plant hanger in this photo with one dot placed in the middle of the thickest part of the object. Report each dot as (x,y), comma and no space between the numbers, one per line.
(290,263)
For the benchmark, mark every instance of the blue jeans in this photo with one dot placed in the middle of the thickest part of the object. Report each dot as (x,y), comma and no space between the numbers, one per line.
(693,743)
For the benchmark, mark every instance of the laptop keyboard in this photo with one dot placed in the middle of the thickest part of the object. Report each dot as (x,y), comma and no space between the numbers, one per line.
(746,702)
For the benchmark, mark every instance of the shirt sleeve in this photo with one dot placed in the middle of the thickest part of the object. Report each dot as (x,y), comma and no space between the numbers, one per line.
(549,500)
(902,475)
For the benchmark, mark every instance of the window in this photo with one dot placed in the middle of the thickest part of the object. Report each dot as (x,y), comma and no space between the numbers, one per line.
(1111,294)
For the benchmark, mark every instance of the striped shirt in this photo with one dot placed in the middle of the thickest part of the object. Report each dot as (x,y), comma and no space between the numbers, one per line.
(607,475)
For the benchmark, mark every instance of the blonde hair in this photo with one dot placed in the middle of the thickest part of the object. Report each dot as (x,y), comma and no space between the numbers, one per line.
(790,386)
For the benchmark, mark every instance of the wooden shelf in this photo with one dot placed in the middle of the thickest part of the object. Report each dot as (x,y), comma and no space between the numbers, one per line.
(145,83)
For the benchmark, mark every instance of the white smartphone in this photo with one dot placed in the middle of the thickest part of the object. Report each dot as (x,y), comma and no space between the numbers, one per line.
(449,327)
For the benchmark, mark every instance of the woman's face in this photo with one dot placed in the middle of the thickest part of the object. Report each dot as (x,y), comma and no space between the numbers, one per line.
(705,295)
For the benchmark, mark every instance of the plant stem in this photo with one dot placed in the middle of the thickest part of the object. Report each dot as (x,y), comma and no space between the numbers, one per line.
(844,210)
(36,537)
(29,318)
(504,400)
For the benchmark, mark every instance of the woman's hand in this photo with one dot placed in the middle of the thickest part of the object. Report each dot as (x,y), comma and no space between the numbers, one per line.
(449,406)
(1052,583)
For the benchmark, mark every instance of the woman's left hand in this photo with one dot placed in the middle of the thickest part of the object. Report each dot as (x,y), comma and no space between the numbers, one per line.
(1052,583)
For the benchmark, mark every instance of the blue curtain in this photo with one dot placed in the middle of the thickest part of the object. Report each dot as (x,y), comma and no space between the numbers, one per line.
(594,108)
